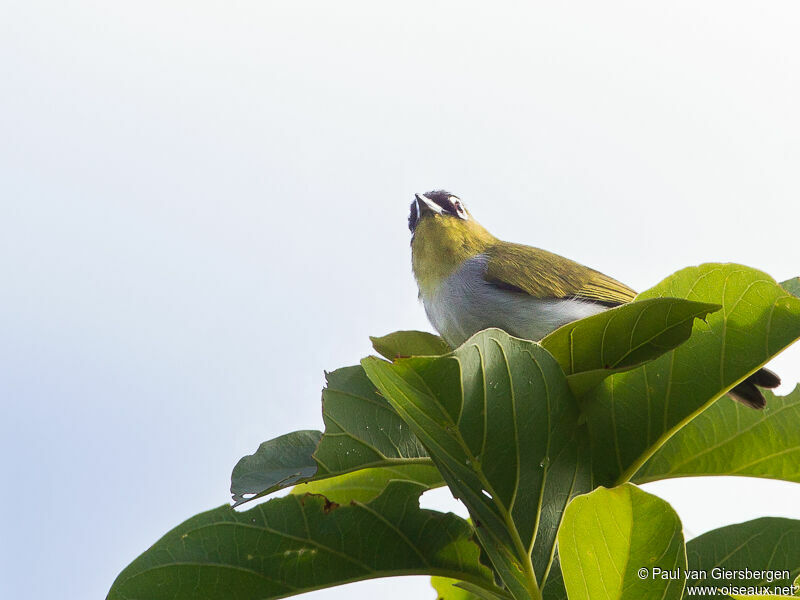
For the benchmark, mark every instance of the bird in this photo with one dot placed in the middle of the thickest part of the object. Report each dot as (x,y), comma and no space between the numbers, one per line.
(469,280)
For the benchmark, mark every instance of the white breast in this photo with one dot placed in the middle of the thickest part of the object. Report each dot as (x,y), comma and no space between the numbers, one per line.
(466,303)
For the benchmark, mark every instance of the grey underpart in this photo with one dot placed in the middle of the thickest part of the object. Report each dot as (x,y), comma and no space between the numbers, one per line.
(466,303)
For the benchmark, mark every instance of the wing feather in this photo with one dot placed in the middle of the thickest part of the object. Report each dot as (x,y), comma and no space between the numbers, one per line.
(542,274)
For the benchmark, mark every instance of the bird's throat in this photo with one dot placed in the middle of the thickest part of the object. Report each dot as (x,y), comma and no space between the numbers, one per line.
(440,245)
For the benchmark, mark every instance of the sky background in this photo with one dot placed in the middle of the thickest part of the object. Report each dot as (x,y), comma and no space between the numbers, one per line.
(203,206)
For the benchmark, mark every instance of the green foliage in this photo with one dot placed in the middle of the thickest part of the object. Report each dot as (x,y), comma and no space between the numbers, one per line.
(366,484)
(452,589)
(729,438)
(525,434)
(767,544)
(301,543)
(607,538)
(502,426)
(623,338)
(631,415)
(361,432)
(792,286)
(404,344)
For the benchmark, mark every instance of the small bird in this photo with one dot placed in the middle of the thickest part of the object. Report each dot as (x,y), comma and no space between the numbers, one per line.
(469,281)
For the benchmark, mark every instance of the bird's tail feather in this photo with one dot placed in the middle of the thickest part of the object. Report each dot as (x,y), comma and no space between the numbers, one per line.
(748,393)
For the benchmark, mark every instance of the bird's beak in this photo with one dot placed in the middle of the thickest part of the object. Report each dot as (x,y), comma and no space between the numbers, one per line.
(426,205)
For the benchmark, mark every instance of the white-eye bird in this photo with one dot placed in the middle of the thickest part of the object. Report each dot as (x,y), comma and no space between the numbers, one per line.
(469,281)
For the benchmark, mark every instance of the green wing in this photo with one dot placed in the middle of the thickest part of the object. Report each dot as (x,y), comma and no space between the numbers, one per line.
(543,274)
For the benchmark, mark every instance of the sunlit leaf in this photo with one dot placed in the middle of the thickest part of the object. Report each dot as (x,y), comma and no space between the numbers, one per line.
(630,415)
(451,589)
(729,438)
(614,544)
(366,484)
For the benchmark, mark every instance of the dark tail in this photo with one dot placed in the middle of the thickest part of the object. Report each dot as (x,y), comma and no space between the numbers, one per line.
(748,393)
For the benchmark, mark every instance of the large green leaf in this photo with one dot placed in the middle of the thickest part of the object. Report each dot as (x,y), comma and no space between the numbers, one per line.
(591,349)
(296,544)
(501,424)
(729,438)
(630,415)
(361,431)
(750,550)
(614,544)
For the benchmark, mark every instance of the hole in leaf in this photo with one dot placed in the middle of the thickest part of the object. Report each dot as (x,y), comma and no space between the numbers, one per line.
(440,499)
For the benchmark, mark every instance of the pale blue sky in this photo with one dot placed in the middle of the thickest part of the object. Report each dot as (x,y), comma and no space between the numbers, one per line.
(203,206)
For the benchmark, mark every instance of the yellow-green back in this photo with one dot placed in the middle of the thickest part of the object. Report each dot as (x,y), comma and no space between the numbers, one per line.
(543,274)
(442,243)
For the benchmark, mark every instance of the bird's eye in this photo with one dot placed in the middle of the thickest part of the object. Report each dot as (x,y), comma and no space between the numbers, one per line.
(457,207)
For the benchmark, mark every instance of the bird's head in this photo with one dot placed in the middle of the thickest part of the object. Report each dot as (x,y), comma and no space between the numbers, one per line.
(444,236)
(436,203)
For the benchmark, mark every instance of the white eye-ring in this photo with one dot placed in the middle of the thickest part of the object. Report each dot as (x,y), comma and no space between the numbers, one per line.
(459,207)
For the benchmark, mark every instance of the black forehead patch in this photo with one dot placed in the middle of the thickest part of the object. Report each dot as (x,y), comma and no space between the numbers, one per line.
(413,217)
(440,197)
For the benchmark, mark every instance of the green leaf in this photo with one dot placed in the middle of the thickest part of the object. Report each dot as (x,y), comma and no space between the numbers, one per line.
(615,543)
(729,438)
(554,587)
(297,544)
(366,484)
(403,344)
(452,589)
(591,349)
(792,286)
(501,424)
(278,463)
(766,544)
(632,414)
(446,589)
(361,431)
